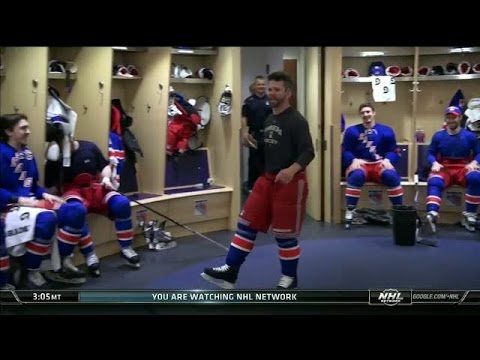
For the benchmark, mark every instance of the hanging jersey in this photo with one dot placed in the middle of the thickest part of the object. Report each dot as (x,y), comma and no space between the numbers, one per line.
(116,151)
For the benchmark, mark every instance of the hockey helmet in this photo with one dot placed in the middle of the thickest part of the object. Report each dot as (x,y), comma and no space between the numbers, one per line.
(351,73)
(121,70)
(180,71)
(376,68)
(451,69)
(205,73)
(55,66)
(394,70)
(407,71)
(183,72)
(464,67)
(424,70)
(62,67)
(437,70)
(132,70)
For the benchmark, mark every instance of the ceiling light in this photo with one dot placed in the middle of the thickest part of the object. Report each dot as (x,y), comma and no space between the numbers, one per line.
(185,51)
(372,53)
(461,50)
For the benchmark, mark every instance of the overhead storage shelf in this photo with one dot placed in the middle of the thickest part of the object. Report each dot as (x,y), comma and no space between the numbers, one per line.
(130,48)
(61,76)
(368,79)
(194,52)
(449,77)
(190,81)
(118,77)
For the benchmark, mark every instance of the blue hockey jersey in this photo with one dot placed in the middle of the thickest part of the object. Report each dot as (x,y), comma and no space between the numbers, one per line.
(463,145)
(18,174)
(372,144)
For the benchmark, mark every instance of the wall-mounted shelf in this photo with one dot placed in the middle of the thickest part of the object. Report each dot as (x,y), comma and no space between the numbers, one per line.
(193,52)
(118,77)
(385,51)
(449,77)
(190,81)
(368,79)
(377,51)
(61,76)
(436,50)
(130,48)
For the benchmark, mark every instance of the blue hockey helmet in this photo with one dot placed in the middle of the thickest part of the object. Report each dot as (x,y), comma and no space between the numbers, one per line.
(376,68)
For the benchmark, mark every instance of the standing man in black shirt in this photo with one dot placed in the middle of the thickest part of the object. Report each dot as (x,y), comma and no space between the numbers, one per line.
(279,196)
(255,110)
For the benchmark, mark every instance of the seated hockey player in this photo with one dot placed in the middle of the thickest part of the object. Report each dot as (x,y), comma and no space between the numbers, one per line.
(453,155)
(88,181)
(28,224)
(369,153)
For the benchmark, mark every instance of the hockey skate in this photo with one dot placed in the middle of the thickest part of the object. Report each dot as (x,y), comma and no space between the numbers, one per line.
(156,237)
(68,273)
(223,276)
(432,218)
(162,240)
(469,221)
(287,283)
(131,257)
(349,213)
(93,264)
(147,230)
(35,280)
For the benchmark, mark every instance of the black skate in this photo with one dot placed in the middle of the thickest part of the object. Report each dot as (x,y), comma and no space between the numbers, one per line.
(223,276)
(68,273)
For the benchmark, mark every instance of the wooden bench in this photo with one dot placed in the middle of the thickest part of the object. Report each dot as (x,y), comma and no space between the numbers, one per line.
(375,196)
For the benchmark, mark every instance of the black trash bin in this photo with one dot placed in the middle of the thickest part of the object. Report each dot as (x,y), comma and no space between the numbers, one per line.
(404,224)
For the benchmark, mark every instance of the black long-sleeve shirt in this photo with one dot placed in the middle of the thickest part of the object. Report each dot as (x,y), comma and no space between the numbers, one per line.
(287,140)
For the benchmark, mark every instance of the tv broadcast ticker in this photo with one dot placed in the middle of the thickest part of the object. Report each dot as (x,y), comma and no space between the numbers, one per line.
(380,297)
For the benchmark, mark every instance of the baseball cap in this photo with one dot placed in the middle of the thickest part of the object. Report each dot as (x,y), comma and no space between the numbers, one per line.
(453,110)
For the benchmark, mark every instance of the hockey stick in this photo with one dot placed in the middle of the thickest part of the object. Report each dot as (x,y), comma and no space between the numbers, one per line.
(419,239)
(177,223)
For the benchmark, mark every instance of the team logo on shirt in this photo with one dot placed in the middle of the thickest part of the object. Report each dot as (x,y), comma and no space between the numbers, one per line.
(369,144)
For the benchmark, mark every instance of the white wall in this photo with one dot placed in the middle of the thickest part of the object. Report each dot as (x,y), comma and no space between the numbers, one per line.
(255,61)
